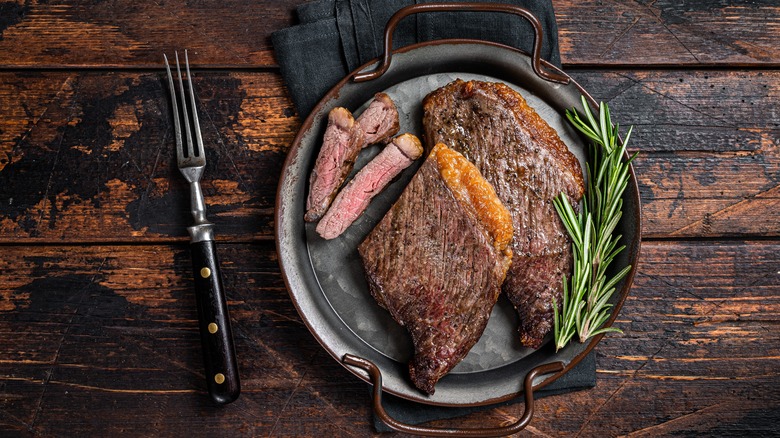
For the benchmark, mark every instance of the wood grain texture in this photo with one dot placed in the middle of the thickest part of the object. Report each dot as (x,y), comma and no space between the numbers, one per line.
(110,332)
(116,332)
(235,33)
(668,33)
(132,34)
(98,331)
(94,152)
(709,146)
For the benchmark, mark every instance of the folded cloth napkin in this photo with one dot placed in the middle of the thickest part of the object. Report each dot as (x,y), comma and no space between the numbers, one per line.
(334,37)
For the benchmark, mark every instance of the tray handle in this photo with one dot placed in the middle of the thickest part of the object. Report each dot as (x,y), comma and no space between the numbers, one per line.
(379,410)
(536,61)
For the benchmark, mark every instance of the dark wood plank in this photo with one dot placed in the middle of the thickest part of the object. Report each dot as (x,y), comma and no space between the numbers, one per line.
(709,147)
(96,332)
(108,333)
(666,32)
(127,33)
(94,152)
(616,32)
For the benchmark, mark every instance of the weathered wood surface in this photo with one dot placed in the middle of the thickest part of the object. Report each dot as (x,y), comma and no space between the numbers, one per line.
(102,340)
(94,152)
(667,32)
(128,33)
(709,144)
(97,315)
(91,156)
(132,33)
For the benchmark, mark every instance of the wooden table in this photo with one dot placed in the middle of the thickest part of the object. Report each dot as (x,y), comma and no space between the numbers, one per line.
(97,318)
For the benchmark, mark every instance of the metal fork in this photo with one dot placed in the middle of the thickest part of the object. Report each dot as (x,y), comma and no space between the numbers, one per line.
(216,336)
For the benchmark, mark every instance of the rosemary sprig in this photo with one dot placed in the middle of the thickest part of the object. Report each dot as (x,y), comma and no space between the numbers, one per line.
(585,307)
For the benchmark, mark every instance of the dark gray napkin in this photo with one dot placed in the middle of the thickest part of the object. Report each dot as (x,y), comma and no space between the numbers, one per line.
(334,37)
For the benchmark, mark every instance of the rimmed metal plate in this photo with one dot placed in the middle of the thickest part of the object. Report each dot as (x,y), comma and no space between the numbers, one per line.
(325,278)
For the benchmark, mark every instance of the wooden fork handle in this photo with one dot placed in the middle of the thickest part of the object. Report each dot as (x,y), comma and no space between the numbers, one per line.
(216,336)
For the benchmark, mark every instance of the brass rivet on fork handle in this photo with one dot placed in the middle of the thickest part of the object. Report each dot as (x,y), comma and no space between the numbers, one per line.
(219,355)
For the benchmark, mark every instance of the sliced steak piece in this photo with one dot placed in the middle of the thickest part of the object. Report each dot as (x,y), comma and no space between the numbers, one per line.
(437,259)
(379,121)
(528,164)
(340,146)
(369,181)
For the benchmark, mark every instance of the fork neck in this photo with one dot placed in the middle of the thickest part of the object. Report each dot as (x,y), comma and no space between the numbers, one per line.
(197,204)
(202,230)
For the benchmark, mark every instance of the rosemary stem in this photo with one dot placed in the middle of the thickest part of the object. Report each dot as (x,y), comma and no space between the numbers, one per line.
(585,303)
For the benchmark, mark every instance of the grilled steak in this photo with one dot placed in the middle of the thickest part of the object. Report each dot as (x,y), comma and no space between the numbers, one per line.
(379,121)
(528,164)
(340,146)
(369,181)
(437,259)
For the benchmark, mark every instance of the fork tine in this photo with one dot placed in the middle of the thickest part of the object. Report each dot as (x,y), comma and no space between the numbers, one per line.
(176,122)
(198,138)
(190,149)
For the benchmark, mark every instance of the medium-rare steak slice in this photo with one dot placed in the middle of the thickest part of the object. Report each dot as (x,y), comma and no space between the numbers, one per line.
(340,146)
(528,164)
(437,259)
(367,183)
(379,122)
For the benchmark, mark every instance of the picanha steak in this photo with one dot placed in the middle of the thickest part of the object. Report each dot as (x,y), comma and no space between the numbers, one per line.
(437,259)
(353,199)
(344,138)
(380,121)
(528,165)
(341,144)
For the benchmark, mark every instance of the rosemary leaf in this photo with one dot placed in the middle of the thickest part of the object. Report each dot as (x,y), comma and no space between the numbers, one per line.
(585,305)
